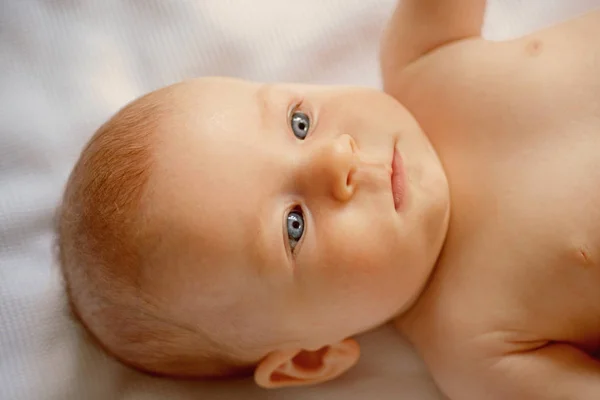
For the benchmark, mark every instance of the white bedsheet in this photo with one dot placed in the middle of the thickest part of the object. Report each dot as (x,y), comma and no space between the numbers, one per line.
(66,65)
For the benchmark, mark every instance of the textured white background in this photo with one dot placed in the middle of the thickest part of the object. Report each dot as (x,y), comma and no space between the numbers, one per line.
(67,65)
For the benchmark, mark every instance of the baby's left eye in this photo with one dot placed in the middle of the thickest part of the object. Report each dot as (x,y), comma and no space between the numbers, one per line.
(300,123)
(295,227)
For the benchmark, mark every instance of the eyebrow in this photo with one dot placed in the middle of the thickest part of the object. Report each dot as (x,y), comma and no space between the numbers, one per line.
(267,242)
(264,96)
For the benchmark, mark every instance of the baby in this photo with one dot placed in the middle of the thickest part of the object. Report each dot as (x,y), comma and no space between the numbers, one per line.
(219,227)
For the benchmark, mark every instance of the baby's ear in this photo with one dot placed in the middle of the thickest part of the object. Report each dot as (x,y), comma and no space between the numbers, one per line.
(283,368)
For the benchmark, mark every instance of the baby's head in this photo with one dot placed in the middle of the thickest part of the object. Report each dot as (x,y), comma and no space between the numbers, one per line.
(219,226)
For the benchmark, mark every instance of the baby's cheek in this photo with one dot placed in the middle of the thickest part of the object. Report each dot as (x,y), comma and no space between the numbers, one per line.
(361,246)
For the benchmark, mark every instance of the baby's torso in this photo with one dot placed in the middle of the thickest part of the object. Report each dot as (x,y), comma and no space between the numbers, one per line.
(517,126)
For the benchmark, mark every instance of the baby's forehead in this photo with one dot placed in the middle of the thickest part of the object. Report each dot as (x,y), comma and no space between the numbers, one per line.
(209,197)
(207,108)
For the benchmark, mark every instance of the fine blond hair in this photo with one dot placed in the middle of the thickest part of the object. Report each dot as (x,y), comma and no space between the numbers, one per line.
(103,238)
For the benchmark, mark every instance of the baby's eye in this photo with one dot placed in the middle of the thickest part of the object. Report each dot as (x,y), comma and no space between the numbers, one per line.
(295,227)
(300,124)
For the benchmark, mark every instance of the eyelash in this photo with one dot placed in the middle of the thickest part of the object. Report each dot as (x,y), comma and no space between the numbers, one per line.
(297,107)
(298,209)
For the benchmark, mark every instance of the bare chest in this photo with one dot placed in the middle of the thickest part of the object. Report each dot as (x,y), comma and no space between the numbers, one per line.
(521,146)
(519,269)
(522,259)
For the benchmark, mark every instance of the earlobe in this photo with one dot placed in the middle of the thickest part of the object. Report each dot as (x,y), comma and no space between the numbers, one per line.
(284,368)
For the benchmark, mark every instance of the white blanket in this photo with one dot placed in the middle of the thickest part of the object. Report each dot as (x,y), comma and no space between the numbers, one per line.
(67,65)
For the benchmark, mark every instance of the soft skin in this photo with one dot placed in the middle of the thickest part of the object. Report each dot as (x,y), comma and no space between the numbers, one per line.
(275,222)
(228,177)
(512,310)
(218,225)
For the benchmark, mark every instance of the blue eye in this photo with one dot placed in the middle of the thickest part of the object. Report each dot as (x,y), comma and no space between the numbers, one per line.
(300,124)
(295,227)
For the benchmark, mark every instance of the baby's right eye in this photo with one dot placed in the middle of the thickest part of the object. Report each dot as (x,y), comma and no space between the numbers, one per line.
(300,123)
(295,227)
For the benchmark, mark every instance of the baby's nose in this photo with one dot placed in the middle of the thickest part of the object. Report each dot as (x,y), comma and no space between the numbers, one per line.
(335,164)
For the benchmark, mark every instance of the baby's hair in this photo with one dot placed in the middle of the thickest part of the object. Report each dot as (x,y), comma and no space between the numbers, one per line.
(103,240)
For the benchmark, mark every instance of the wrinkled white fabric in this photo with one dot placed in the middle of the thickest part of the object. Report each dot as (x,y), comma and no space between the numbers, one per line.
(67,65)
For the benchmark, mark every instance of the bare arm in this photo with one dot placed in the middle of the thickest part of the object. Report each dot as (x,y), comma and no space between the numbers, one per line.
(420,26)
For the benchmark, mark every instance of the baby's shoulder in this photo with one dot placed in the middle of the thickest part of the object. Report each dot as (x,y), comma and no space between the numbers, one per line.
(489,71)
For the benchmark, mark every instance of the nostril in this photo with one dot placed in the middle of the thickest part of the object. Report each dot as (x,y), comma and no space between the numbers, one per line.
(349,177)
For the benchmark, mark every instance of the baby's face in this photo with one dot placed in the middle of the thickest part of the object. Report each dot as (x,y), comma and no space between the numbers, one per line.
(279,203)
